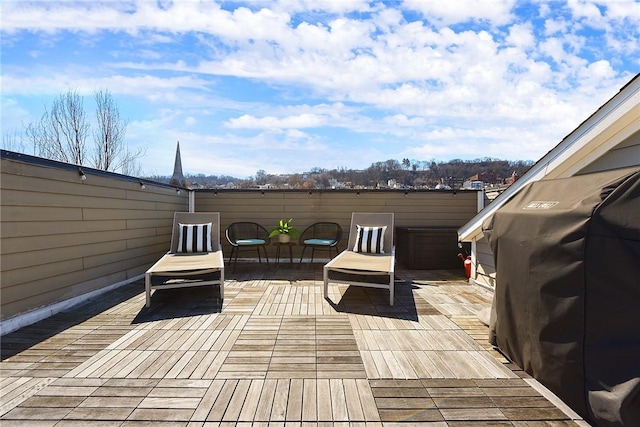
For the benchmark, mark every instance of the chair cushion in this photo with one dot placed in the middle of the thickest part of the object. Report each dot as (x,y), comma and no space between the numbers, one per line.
(319,242)
(369,239)
(250,242)
(194,238)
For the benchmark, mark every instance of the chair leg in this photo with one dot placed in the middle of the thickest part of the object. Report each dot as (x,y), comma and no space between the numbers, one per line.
(325,274)
(147,287)
(313,251)
(266,257)
(302,255)
(221,284)
(234,250)
(235,261)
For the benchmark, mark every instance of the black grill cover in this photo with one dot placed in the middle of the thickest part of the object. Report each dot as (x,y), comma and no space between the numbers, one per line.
(567,298)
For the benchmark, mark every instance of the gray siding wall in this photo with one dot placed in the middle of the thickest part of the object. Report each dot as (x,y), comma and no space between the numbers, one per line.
(62,237)
(416,208)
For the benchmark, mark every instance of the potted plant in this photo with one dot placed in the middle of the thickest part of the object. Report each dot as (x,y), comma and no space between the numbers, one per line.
(284,230)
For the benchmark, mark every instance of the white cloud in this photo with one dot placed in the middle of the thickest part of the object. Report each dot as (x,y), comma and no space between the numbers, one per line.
(293,71)
(297,134)
(220,155)
(597,74)
(586,9)
(325,6)
(623,10)
(404,121)
(456,11)
(521,35)
(152,87)
(555,27)
(300,121)
(602,13)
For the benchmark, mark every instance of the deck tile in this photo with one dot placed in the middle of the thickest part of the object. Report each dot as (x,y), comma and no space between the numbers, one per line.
(161,415)
(470,414)
(108,413)
(276,353)
(29,413)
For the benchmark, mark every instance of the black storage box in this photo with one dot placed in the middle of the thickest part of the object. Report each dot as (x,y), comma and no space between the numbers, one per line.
(567,297)
(428,248)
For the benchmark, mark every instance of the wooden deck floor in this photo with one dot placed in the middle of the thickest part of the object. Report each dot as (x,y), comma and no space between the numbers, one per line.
(275,353)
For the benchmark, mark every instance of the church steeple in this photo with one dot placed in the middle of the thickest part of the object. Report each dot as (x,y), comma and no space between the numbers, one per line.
(177,180)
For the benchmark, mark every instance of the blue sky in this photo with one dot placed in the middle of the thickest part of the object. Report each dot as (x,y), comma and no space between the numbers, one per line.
(286,86)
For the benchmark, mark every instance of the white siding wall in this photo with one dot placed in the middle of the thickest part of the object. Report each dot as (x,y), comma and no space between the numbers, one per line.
(623,155)
(484,263)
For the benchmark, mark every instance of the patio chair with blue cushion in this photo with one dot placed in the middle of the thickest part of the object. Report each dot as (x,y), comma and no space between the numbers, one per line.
(194,258)
(321,236)
(247,235)
(370,255)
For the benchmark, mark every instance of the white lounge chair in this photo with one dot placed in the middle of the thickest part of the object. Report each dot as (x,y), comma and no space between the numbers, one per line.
(370,253)
(195,257)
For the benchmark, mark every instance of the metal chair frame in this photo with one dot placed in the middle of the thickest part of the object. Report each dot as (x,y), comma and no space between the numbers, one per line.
(245,230)
(321,230)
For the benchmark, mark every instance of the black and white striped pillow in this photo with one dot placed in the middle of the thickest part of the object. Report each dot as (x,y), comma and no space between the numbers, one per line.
(370,239)
(195,238)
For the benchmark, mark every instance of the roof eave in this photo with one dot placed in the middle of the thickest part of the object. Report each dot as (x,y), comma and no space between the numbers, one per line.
(625,103)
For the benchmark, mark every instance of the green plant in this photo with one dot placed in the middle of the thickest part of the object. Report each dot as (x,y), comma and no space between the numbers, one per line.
(284,227)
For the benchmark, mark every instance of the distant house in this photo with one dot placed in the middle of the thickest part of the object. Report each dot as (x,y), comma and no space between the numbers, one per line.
(473,185)
(608,139)
(451,182)
(486,177)
(513,178)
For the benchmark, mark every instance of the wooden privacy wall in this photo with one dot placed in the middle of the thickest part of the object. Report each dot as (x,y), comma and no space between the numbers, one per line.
(63,236)
(413,209)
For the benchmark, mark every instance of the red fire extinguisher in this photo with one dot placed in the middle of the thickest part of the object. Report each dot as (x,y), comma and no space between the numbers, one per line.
(467,264)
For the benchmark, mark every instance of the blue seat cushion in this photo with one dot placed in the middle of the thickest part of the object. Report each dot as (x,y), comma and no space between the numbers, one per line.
(250,242)
(319,242)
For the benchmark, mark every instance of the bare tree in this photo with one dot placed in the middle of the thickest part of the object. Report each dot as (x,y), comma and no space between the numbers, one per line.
(109,131)
(61,134)
(12,141)
(111,152)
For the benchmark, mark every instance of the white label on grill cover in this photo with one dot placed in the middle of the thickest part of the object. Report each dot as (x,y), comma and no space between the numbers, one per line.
(541,205)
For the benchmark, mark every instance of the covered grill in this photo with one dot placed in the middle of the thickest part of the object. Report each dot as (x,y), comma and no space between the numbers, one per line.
(567,298)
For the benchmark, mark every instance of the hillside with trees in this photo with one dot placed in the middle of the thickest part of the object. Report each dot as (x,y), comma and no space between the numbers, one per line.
(390,173)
